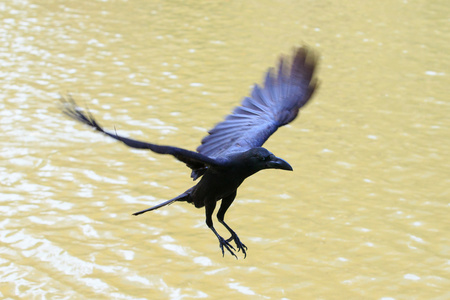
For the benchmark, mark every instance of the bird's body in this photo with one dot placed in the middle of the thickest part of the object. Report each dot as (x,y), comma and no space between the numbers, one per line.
(215,186)
(232,151)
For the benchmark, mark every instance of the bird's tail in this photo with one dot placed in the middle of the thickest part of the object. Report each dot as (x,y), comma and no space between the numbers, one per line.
(182,197)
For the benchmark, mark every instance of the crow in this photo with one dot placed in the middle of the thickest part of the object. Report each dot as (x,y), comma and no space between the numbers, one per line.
(232,150)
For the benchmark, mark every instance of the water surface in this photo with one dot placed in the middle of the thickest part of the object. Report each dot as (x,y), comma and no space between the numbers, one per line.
(363,216)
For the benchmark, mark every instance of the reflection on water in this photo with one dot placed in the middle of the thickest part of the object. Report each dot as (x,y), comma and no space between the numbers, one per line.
(364,214)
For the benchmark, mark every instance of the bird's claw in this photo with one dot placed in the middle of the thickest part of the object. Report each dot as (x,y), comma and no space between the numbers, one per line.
(228,246)
(240,246)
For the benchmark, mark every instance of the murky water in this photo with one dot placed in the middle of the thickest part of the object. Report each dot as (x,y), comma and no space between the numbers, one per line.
(364,215)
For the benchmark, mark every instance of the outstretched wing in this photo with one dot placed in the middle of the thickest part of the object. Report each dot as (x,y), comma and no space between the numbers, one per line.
(193,160)
(270,107)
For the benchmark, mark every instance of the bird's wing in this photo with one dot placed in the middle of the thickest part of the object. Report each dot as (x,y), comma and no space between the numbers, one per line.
(275,104)
(194,160)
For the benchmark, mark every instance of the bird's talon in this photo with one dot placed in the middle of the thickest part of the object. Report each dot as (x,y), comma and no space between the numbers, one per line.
(239,245)
(228,246)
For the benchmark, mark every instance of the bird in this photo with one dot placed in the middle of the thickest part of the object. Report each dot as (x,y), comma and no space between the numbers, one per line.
(232,150)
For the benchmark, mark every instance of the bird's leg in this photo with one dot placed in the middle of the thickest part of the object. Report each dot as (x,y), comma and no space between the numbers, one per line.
(226,202)
(209,209)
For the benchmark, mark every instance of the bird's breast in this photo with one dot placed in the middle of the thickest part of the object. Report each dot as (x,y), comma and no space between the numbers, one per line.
(215,186)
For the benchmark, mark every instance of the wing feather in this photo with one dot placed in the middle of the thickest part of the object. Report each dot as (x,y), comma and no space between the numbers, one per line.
(271,106)
(194,160)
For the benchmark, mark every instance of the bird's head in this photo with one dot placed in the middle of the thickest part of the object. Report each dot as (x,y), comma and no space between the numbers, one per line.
(260,158)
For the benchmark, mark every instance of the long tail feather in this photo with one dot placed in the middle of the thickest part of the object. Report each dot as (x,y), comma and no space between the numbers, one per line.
(181,197)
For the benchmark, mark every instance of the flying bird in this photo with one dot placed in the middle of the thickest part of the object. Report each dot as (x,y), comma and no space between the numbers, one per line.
(232,151)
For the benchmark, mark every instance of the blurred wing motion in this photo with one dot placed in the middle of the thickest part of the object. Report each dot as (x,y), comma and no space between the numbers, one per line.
(193,160)
(270,107)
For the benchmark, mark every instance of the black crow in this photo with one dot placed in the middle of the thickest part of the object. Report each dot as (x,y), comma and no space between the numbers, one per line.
(232,151)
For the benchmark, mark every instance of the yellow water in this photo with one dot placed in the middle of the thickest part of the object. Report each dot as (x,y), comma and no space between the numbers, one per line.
(364,215)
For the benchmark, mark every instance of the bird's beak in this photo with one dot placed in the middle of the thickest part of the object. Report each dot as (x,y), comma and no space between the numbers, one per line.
(278,163)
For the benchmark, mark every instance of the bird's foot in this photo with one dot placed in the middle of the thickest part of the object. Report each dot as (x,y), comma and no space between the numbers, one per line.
(240,246)
(225,244)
